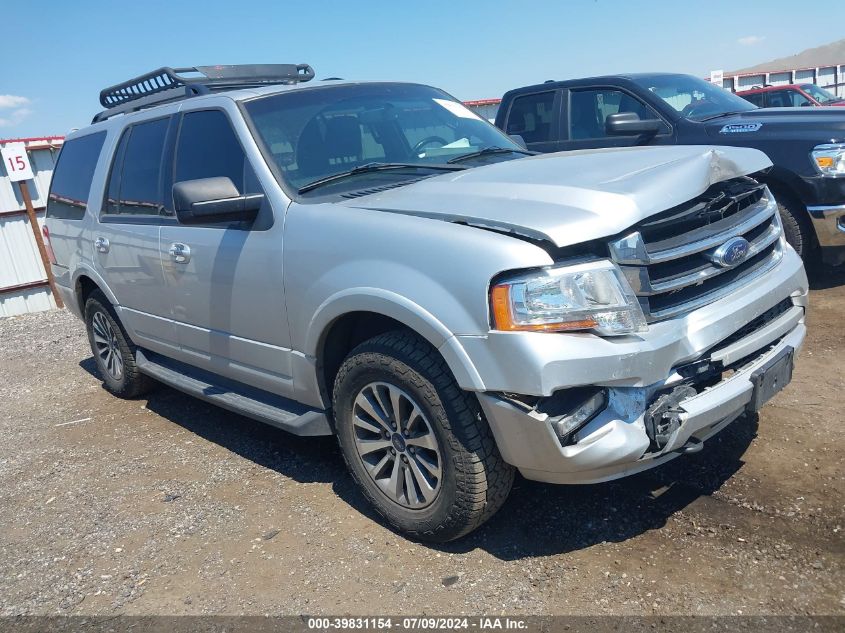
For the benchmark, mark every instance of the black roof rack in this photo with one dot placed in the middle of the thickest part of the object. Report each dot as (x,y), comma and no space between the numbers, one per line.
(172,84)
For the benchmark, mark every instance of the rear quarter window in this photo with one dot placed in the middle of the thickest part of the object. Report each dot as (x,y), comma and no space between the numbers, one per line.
(72,177)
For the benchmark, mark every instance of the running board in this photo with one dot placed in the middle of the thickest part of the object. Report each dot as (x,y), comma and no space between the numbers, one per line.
(257,404)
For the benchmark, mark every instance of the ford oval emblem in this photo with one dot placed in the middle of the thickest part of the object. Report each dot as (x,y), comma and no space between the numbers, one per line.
(731,253)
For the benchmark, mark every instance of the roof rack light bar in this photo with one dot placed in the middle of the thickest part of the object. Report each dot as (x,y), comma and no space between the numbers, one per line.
(204,80)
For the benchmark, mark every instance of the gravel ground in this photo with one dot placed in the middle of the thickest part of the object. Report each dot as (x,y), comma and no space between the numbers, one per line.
(166,505)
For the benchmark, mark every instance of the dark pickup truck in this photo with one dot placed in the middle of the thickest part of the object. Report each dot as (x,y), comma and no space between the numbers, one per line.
(806,145)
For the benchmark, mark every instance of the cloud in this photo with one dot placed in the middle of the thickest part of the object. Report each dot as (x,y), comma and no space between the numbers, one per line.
(15,117)
(13,110)
(13,101)
(750,40)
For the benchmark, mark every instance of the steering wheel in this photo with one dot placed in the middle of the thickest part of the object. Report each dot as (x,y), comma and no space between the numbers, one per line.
(428,140)
(692,108)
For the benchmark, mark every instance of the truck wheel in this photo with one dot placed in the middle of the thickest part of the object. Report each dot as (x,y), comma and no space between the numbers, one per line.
(797,227)
(416,444)
(113,352)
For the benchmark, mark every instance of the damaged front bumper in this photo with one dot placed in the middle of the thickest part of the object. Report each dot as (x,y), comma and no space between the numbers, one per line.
(616,442)
(645,424)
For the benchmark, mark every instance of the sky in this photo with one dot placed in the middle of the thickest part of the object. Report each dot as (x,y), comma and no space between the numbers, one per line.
(58,55)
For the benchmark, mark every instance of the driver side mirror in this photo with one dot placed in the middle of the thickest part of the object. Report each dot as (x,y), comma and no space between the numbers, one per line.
(630,124)
(211,200)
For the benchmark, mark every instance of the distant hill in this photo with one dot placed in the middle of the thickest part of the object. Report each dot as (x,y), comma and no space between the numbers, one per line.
(827,55)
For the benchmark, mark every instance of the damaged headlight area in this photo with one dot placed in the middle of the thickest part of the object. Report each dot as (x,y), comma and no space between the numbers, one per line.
(591,296)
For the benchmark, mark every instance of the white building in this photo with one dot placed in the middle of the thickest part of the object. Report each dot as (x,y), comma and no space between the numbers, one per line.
(831,78)
(485,108)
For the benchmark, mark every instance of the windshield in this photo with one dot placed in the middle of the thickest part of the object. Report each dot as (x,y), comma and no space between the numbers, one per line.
(819,94)
(694,98)
(315,133)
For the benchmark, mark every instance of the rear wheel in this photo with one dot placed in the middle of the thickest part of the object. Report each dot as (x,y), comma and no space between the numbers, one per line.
(417,444)
(113,352)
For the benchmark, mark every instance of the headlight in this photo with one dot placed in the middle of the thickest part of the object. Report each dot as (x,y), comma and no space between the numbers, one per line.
(592,296)
(830,159)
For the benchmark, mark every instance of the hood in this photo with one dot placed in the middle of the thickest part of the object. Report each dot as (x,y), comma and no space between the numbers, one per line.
(570,197)
(816,124)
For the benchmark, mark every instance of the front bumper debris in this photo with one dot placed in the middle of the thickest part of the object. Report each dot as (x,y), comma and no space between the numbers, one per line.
(618,441)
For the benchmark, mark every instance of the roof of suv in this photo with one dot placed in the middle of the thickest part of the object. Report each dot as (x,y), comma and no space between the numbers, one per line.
(592,80)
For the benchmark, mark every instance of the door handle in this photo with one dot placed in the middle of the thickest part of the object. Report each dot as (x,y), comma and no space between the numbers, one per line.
(180,253)
(102,245)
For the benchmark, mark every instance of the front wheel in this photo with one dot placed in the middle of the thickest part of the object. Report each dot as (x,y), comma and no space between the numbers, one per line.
(797,228)
(417,444)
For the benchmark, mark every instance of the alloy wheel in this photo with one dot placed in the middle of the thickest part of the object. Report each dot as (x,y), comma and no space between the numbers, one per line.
(397,445)
(107,346)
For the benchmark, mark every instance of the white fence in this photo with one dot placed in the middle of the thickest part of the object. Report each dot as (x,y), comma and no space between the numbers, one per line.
(23,280)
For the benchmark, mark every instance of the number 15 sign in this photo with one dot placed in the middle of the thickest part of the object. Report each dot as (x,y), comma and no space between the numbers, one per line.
(16,162)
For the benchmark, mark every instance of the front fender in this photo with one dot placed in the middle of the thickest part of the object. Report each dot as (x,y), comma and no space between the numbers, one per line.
(428,274)
(403,310)
(781,180)
(379,301)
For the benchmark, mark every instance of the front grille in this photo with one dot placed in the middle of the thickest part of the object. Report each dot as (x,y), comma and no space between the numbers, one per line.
(670,259)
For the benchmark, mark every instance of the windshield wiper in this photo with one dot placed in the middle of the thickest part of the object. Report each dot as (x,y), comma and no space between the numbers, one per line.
(486,151)
(371,167)
(721,114)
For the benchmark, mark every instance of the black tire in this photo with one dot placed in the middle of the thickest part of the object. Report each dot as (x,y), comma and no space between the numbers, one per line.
(475,479)
(797,227)
(131,382)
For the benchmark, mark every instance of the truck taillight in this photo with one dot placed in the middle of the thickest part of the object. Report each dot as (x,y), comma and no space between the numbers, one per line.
(47,245)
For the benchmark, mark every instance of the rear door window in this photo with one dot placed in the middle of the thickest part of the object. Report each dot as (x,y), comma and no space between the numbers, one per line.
(779,99)
(531,116)
(112,204)
(72,177)
(140,184)
(136,179)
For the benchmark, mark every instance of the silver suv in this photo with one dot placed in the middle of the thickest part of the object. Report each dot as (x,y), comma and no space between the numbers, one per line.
(374,261)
